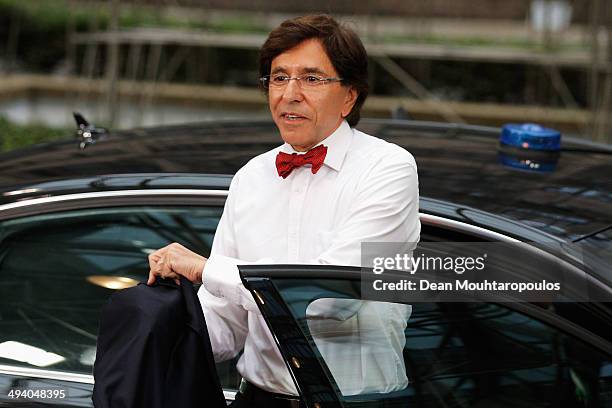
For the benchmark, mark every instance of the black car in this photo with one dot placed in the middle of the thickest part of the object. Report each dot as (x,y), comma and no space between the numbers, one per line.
(76,224)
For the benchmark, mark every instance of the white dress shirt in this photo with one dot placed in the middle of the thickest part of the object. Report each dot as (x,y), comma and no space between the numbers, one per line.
(366,191)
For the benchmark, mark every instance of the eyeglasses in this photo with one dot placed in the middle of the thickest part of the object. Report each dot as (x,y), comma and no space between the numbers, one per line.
(309,81)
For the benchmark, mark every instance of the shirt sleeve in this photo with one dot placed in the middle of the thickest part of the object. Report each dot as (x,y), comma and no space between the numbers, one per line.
(226,320)
(385,209)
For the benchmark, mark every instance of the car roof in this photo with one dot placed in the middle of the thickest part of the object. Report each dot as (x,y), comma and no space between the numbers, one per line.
(456,163)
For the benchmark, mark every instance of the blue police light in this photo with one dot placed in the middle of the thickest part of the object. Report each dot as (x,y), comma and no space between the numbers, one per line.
(529,164)
(530,136)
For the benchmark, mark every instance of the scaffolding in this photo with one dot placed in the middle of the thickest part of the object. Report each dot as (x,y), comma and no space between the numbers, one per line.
(600,81)
(154,55)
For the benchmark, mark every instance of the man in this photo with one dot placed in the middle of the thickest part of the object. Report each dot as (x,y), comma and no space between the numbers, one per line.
(313,200)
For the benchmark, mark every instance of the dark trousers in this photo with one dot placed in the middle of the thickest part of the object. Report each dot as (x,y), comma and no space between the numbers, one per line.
(253,397)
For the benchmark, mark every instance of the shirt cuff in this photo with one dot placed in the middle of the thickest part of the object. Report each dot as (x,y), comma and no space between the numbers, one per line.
(221,277)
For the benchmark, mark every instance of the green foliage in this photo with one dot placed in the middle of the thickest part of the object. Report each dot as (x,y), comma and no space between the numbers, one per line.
(13,136)
(237,25)
(42,26)
(48,15)
(53,16)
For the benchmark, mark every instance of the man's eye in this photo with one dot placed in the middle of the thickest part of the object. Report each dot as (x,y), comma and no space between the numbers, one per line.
(313,79)
(279,78)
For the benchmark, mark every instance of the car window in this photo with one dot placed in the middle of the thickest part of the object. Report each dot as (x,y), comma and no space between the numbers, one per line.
(381,354)
(57,271)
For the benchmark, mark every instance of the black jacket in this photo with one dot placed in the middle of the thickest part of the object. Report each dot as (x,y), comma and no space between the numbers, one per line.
(154,351)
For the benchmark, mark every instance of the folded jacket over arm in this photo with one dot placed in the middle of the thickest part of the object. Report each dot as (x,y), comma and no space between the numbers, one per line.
(154,350)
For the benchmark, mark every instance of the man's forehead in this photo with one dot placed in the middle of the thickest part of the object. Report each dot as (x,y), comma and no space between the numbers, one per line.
(309,56)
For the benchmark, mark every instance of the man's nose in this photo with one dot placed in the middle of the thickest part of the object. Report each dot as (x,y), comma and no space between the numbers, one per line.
(293,91)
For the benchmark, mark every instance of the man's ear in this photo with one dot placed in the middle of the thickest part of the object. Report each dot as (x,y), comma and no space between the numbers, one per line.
(349,101)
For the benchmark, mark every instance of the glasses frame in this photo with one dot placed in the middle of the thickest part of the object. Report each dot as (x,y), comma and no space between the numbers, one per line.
(323,81)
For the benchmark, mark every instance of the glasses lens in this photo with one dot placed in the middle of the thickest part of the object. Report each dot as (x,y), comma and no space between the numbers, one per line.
(279,80)
(308,81)
(311,81)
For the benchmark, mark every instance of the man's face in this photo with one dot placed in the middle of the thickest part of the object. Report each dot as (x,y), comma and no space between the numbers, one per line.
(305,116)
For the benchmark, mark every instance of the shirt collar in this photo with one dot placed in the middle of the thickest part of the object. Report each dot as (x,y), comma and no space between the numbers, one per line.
(337,145)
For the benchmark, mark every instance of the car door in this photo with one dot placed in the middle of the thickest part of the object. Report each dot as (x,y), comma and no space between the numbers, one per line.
(427,354)
(61,258)
(344,351)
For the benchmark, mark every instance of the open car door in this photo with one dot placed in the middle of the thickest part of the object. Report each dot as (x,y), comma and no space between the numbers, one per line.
(346,352)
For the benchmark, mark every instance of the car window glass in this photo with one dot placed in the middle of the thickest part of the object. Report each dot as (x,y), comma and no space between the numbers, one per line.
(383,354)
(58,270)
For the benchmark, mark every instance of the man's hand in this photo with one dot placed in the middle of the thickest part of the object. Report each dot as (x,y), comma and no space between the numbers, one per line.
(174,260)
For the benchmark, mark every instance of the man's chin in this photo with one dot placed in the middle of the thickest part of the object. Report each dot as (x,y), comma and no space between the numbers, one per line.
(296,137)
(299,145)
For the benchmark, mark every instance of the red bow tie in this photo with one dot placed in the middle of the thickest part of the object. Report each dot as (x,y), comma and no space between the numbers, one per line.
(285,162)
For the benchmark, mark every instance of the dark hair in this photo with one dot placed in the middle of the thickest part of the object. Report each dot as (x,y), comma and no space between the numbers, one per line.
(343,47)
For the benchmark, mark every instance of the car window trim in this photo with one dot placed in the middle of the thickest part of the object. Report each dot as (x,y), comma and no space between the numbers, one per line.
(110,194)
(100,199)
(6,369)
(459,226)
(16,209)
(47,374)
(309,374)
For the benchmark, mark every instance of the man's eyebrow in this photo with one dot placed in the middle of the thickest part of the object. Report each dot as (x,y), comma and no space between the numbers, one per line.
(312,70)
(278,69)
(306,70)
